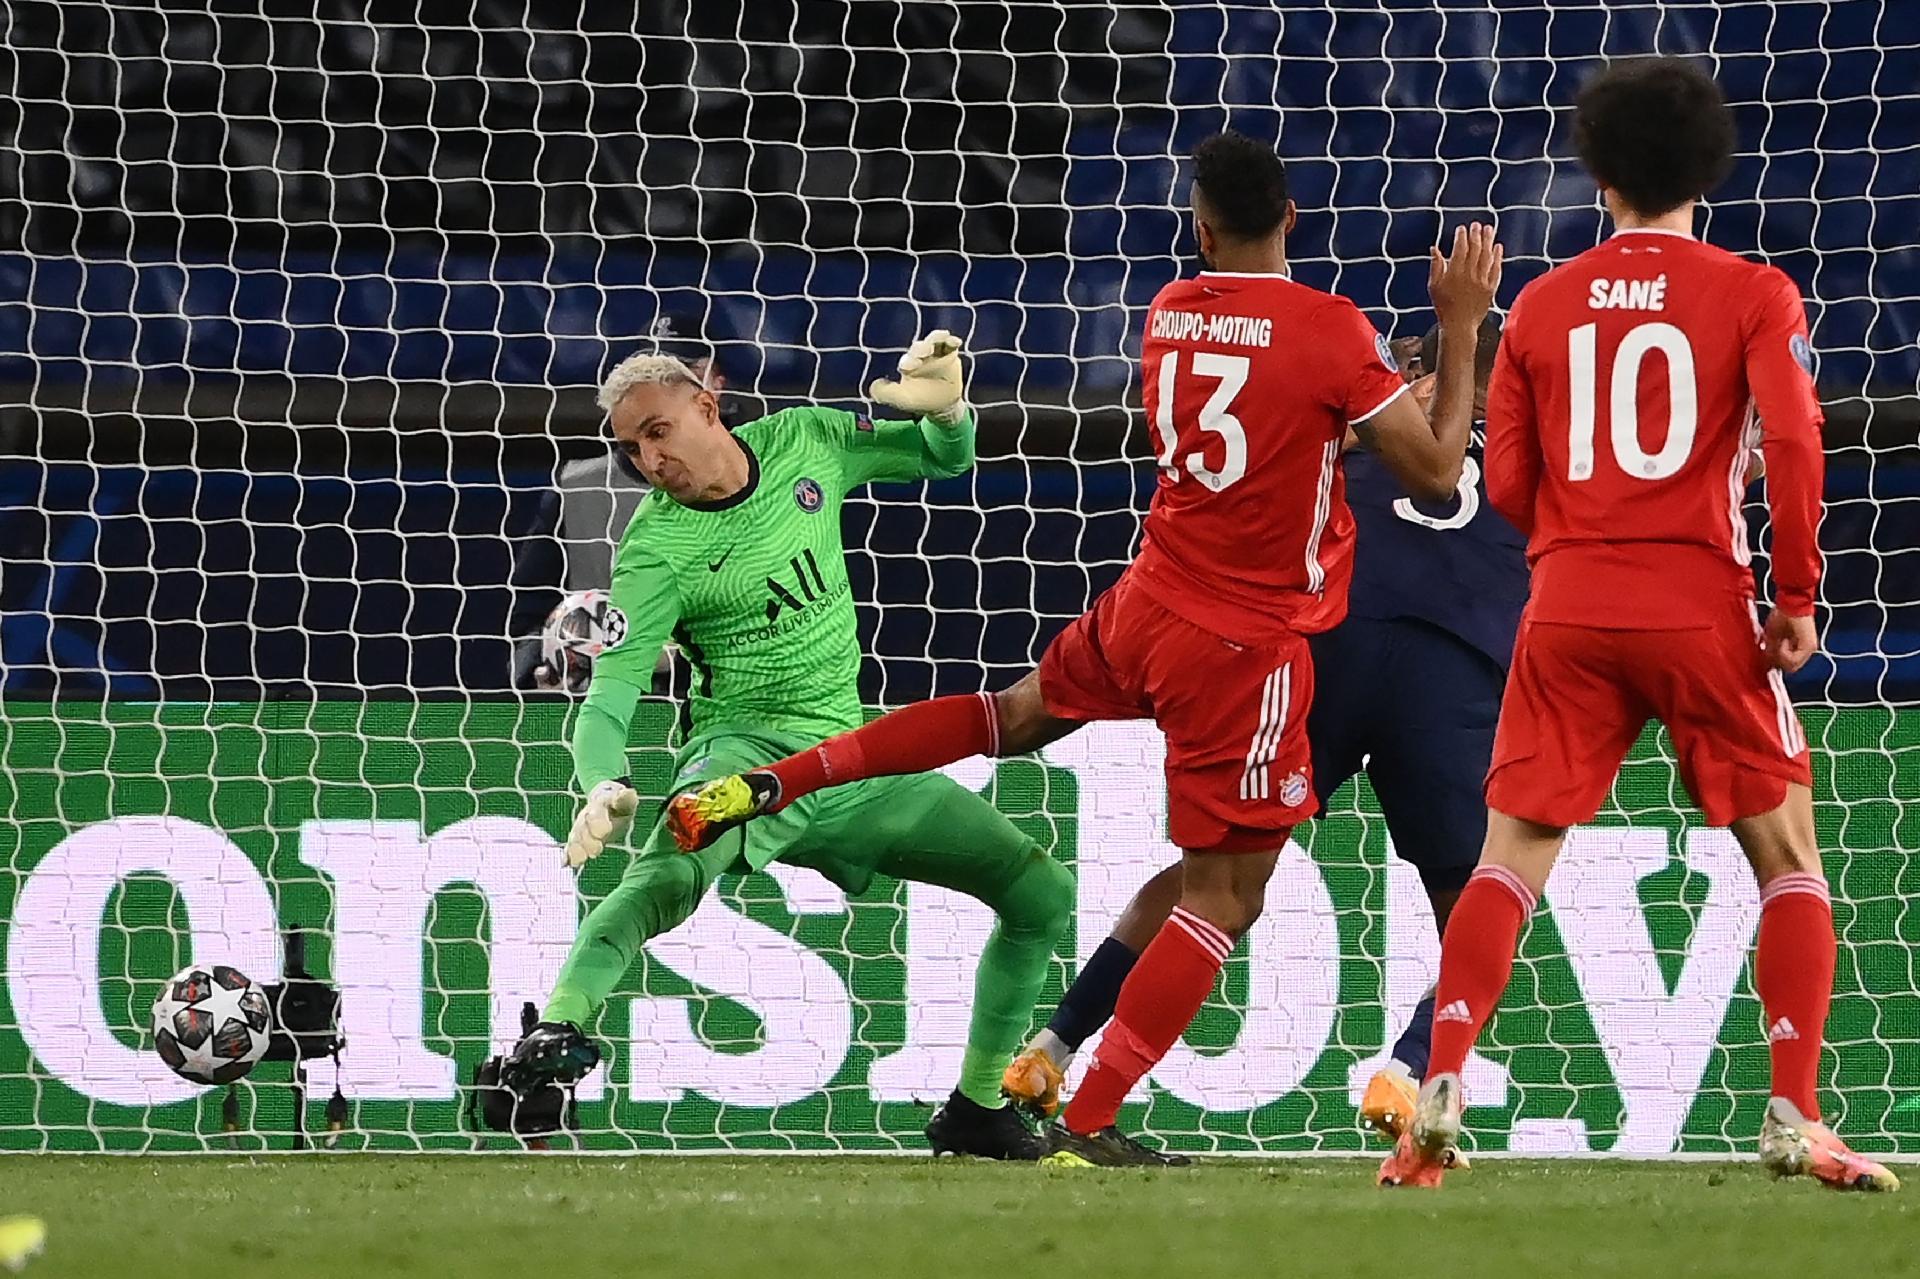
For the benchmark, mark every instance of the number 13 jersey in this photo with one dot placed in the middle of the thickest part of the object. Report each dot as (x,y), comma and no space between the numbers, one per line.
(1250,384)
(1631,388)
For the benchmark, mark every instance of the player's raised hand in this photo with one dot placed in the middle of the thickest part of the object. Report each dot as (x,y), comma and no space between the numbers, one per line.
(1462,283)
(608,813)
(1789,641)
(930,383)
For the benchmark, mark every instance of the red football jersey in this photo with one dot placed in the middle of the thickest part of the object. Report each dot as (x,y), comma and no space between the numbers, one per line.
(1251,383)
(1621,420)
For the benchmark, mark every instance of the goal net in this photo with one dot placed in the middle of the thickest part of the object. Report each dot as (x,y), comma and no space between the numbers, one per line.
(302,317)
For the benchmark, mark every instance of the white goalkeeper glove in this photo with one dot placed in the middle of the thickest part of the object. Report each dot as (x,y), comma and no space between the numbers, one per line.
(606,817)
(930,384)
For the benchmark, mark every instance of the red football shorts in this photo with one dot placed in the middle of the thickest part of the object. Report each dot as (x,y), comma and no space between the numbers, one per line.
(1577,698)
(1239,774)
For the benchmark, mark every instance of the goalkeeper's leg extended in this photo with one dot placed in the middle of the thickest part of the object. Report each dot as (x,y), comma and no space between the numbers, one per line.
(930,830)
(660,889)
(924,828)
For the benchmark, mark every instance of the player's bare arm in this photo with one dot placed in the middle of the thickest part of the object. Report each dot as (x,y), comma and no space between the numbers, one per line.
(1406,358)
(1425,451)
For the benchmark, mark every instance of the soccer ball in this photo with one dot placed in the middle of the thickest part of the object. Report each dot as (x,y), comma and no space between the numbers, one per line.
(581,627)
(211,1024)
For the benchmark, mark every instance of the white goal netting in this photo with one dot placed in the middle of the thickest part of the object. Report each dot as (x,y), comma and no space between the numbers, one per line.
(302,314)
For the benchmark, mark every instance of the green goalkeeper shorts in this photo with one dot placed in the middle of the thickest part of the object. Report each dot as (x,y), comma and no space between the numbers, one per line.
(924,827)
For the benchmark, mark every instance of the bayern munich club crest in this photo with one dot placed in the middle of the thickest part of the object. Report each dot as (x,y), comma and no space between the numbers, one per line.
(807,495)
(1293,791)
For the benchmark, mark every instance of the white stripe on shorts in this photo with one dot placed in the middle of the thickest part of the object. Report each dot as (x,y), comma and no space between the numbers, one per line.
(1276,699)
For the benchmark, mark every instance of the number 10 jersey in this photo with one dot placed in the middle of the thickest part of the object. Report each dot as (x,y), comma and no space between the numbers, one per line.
(1632,386)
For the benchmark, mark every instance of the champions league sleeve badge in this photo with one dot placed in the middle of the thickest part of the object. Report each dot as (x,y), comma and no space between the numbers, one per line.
(1802,352)
(613,624)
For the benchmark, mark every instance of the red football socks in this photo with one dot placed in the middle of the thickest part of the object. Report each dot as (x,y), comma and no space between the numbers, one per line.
(1158,1000)
(914,739)
(1476,959)
(1793,975)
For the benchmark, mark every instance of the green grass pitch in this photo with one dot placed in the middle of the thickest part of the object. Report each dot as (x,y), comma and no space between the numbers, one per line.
(363,1216)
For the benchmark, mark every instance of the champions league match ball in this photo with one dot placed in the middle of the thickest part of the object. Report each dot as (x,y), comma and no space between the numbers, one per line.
(581,627)
(211,1024)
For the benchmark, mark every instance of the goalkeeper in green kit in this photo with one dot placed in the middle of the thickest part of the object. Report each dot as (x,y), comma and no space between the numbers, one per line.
(736,556)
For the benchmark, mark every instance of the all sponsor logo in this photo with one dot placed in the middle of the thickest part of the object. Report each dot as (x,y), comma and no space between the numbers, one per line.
(806,577)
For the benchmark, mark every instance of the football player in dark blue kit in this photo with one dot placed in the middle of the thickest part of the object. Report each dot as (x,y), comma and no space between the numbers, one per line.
(1408,688)
(1410,684)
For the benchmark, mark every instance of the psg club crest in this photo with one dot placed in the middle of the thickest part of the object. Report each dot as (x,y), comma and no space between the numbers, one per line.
(807,496)
(1293,791)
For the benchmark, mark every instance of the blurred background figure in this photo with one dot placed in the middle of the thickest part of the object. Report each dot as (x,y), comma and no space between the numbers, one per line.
(569,547)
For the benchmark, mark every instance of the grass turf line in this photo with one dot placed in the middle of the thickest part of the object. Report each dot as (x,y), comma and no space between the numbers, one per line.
(370,1215)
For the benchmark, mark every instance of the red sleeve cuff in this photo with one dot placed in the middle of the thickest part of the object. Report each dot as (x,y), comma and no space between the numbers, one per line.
(1794,601)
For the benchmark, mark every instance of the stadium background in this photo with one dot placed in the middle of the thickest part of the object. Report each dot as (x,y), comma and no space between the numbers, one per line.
(301,310)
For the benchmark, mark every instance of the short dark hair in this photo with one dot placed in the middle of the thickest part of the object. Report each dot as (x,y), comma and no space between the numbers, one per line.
(1244,184)
(1486,348)
(1656,130)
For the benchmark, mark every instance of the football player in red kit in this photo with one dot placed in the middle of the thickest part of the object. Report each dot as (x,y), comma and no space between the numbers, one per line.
(1251,383)
(1630,390)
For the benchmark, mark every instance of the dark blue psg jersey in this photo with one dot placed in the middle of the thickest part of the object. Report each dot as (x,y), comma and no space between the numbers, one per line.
(1458,565)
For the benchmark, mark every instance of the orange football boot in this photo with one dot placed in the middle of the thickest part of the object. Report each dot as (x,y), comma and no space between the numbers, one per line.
(1033,1082)
(1387,1106)
(1791,1145)
(1408,1165)
(1388,1102)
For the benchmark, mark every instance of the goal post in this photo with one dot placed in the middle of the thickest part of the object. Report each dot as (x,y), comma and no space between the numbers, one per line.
(302,318)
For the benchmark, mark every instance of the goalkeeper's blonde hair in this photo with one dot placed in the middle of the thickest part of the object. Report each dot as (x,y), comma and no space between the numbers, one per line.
(646,368)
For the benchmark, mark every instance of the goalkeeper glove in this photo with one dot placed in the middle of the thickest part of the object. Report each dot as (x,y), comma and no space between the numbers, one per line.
(929,384)
(606,817)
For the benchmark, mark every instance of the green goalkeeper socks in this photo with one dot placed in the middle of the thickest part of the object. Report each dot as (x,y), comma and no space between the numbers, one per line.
(658,891)
(1033,909)
(981,1071)
(568,1004)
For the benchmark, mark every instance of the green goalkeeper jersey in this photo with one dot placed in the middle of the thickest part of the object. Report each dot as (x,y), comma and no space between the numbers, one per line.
(753,588)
